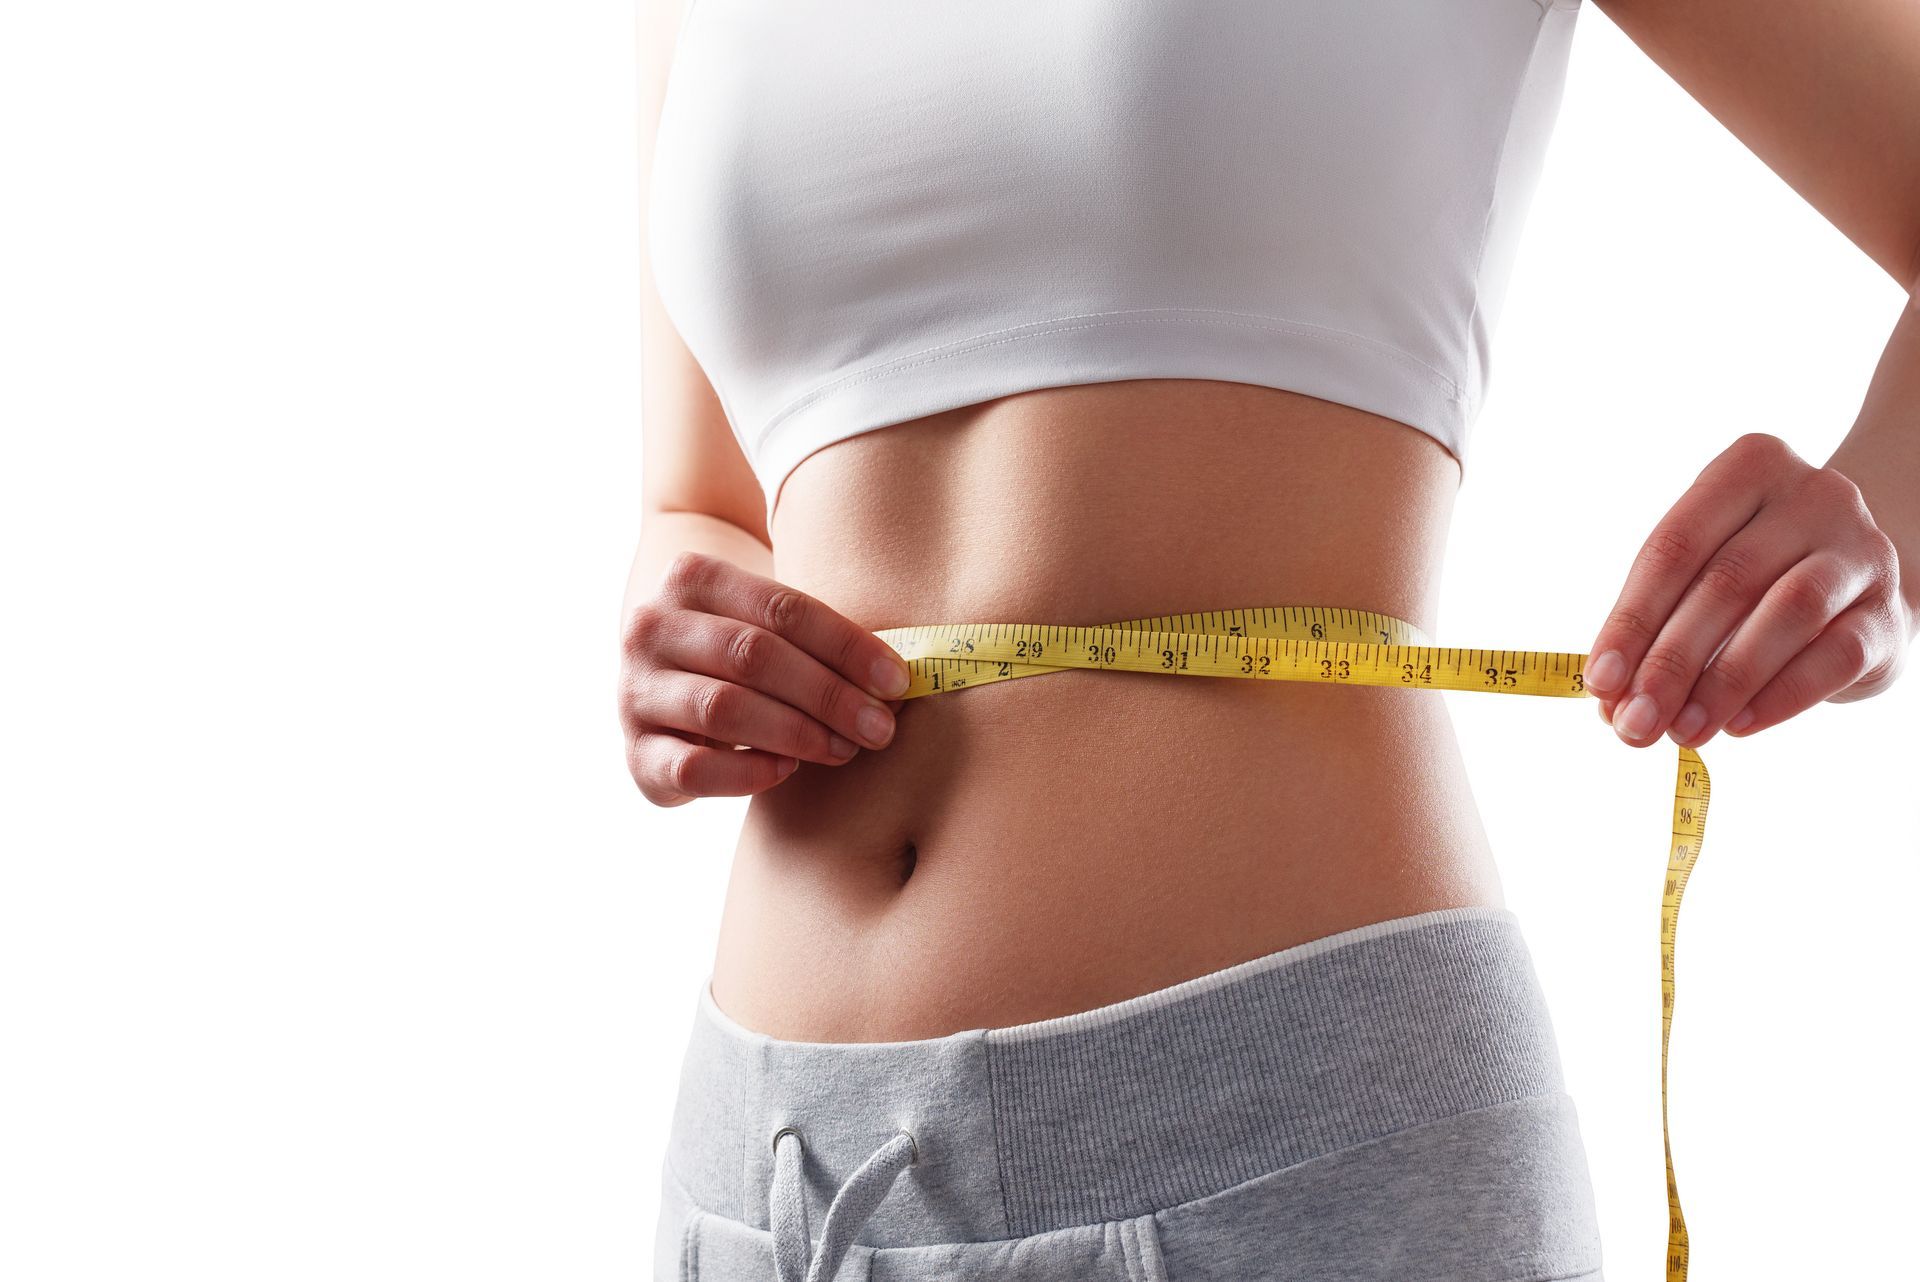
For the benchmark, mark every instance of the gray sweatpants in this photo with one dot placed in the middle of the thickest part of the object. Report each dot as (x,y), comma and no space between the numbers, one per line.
(1384,1103)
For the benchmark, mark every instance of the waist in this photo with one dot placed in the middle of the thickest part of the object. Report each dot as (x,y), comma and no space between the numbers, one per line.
(1039,846)
(1097,502)
(1043,845)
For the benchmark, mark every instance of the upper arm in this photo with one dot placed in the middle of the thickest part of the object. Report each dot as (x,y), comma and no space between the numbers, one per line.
(1825,92)
(690,460)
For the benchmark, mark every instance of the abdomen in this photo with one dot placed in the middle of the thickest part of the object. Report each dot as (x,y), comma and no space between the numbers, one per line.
(1035,847)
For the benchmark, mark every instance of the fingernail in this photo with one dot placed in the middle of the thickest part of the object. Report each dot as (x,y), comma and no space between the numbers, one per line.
(1637,718)
(788,765)
(890,679)
(1688,723)
(1741,722)
(841,747)
(1606,671)
(876,726)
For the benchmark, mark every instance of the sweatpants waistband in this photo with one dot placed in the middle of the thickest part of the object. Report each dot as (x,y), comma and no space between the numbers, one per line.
(1135,1106)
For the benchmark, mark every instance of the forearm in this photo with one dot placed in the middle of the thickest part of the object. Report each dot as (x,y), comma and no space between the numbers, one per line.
(663,535)
(1881,454)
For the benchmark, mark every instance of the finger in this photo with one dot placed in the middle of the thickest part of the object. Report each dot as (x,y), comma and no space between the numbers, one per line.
(1789,616)
(702,705)
(716,586)
(1729,587)
(749,655)
(667,638)
(1850,648)
(637,673)
(671,770)
(1725,496)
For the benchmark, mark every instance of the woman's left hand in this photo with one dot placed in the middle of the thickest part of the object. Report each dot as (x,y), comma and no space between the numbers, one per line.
(1782,555)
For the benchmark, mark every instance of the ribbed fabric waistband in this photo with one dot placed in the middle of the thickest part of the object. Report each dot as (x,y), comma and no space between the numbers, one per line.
(1135,1106)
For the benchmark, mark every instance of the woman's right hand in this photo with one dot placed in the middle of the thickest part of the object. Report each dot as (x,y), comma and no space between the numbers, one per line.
(720,656)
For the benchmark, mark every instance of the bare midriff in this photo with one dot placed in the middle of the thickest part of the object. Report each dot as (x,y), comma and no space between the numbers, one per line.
(1032,848)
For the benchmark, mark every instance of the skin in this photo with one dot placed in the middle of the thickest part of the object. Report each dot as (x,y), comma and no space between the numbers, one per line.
(1778,566)
(1774,584)
(1028,849)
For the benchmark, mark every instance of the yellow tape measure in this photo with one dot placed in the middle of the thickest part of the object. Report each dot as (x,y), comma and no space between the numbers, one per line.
(1326,644)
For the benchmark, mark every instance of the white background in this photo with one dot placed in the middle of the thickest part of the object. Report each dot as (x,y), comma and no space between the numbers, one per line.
(334,939)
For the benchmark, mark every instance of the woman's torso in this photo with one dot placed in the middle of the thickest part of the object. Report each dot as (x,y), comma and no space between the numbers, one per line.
(1110,235)
(1083,837)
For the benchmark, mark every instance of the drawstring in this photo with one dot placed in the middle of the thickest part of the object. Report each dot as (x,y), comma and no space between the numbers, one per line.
(793,1257)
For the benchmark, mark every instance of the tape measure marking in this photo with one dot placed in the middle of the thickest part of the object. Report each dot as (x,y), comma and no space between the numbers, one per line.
(1331,645)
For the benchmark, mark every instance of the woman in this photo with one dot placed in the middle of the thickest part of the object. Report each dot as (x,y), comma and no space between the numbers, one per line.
(1162,309)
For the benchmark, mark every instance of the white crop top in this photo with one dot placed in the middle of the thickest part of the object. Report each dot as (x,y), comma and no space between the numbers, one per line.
(869,211)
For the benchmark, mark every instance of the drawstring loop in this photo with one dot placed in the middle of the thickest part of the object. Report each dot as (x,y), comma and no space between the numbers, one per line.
(794,1258)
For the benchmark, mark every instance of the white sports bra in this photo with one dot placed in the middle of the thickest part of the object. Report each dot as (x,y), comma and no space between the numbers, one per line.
(869,211)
